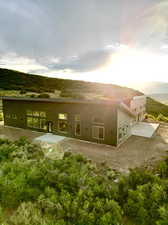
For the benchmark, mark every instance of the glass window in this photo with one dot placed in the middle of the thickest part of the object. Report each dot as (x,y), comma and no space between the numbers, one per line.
(98,132)
(42,114)
(36,123)
(101,132)
(43,124)
(29,113)
(29,122)
(77,117)
(36,113)
(62,116)
(36,119)
(14,116)
(63,126)
(77,129)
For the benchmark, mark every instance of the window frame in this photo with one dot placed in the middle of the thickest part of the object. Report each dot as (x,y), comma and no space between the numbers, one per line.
(62,120)
(36,115)
(66,116)
(76,123)
(98,127)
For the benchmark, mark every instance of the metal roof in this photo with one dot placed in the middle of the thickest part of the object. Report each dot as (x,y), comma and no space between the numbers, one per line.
(63,100)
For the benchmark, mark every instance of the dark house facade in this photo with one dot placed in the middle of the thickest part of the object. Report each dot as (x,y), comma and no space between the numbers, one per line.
(94,121)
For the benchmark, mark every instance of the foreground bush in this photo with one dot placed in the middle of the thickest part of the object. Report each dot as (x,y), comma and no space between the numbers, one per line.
(73,191)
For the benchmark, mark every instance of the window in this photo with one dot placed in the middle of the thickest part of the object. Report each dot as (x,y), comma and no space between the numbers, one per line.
(98,132)
(62,122)
(62,116)
(77,117)
(36,119)
(11,116)
(7,115)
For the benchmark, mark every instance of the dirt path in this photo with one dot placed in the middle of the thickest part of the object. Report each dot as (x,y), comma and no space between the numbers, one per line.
(13,133)
(135,152)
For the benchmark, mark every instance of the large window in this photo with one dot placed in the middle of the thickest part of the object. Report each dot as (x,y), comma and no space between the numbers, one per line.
(98,132)
(63,122)
(11,116)
(77,125)
(36,119)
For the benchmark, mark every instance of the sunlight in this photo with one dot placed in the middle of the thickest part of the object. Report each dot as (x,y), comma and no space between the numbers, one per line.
(133,65)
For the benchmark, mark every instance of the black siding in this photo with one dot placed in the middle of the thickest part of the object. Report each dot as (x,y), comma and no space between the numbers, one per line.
(87,112)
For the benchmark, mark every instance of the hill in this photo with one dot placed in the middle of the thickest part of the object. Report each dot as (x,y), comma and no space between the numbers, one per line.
(155,108)
(150,88)
(163,98)
(14,80)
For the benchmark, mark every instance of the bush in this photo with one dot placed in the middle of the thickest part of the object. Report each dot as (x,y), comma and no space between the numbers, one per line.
(73,191)
(23,92)
(43,95)
(1,116)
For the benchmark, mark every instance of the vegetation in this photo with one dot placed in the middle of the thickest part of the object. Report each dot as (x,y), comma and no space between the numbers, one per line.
(14,80)
(36,190)
(156,108)
(1,116)
(159,118)
(44,95)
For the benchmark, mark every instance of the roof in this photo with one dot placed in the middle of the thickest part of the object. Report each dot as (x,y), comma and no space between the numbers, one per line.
(63,100)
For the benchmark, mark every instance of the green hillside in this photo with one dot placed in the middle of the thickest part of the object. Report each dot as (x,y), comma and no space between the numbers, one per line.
(14,80)
(155,108)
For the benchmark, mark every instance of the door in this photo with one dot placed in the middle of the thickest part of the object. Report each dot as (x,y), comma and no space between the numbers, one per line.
(50,127)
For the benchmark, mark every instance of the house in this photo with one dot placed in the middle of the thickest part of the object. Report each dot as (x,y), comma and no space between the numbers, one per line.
(106,122)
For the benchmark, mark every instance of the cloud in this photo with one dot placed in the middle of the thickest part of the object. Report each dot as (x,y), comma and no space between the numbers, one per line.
(89,61)
(52,28)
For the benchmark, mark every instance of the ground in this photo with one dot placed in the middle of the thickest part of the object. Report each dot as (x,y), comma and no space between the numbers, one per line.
(135,152)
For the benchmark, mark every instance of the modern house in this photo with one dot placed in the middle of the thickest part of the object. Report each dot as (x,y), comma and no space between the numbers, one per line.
(106,122)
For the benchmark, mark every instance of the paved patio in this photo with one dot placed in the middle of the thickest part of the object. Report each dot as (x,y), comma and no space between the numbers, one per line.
(50,138)
(143,129)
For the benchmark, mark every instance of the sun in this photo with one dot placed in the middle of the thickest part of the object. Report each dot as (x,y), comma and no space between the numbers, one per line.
(132,65)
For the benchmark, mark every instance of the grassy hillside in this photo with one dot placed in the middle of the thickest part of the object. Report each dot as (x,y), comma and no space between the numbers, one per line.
(14,80)
(37,190)
(155,108)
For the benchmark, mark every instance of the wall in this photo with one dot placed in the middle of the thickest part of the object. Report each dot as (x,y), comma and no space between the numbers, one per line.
(138,106)
(87,111)
(124,126)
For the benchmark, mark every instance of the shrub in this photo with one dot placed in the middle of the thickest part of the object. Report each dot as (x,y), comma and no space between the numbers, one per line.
(22,92)
(43,95)
(1,116)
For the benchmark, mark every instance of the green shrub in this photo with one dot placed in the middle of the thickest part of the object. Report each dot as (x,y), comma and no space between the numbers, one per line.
(1,116)
(73,191)
(43,95)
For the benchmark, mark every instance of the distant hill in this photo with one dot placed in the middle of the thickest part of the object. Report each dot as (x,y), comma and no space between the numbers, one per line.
(155,108)
(14,80)
(150,88)
(163,98)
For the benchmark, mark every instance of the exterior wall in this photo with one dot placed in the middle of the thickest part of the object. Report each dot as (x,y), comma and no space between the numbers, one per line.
(138,106)
(123,126)
(52,109)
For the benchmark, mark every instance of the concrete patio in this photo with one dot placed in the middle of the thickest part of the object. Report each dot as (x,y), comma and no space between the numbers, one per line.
(144,129)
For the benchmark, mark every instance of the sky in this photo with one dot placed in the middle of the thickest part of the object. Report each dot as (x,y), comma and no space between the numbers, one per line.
(109,41)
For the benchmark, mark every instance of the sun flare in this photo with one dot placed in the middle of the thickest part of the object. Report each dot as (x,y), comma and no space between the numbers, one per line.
(133,66)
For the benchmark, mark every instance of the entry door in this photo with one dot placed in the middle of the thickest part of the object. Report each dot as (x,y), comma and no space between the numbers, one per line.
(50,127)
